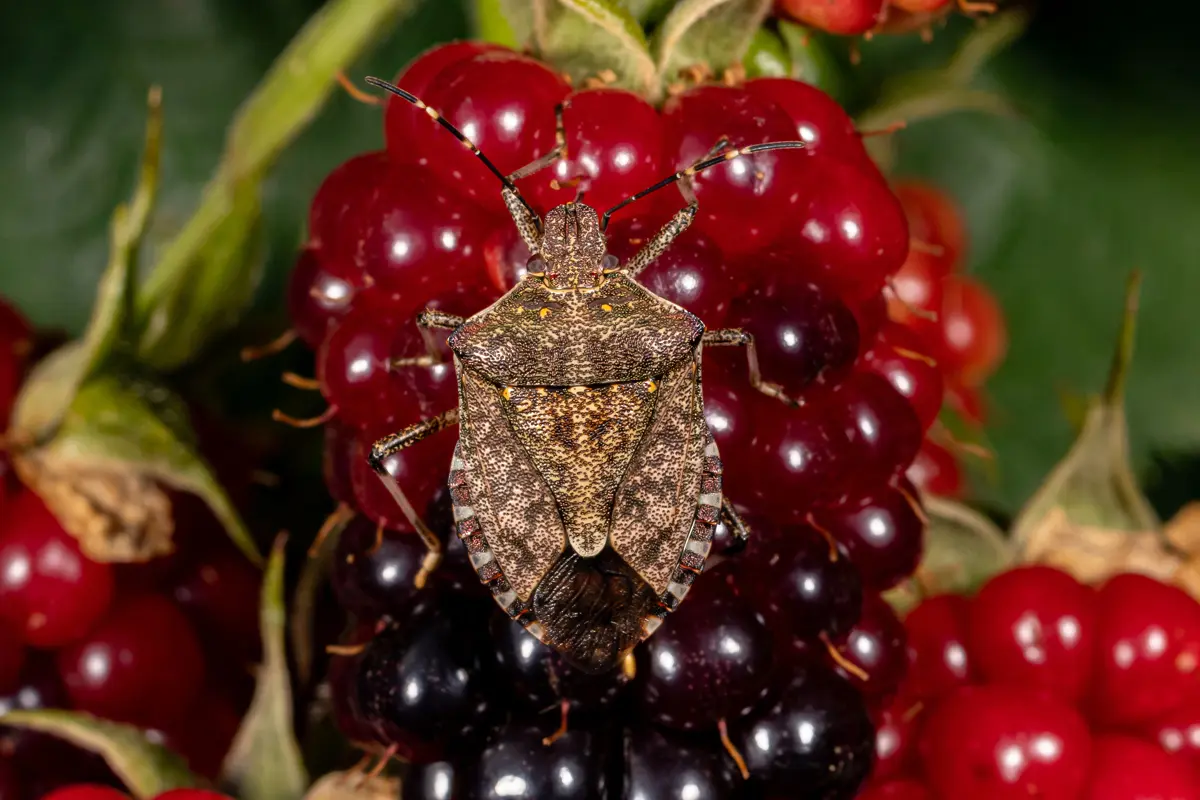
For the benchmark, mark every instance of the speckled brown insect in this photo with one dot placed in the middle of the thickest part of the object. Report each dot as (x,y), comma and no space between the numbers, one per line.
(586,485)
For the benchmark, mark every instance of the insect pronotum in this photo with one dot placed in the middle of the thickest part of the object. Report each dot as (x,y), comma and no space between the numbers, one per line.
(586,485)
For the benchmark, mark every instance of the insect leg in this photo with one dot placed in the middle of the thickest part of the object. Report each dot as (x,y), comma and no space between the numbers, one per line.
(559,151)
(677,224)
(707,163)
(741,530)
(736,337)
(392,444)
(526,221)
(427,321)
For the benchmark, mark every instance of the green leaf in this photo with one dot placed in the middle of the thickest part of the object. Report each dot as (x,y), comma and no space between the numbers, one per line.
(66,165)
(119,437)
(264,762)
(767,56)
(811,59)
(489,23)
(714,33)
(586,38)
(47,393)
(1093,486)
(1090,181)
(147,769)
(922,94)
(207,275)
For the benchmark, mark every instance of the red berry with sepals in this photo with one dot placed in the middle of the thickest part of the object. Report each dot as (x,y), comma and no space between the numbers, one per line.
(49,590)
(935,222)
(900,356)
(340,200)
(412,238)
(504,103)
(1124,768)
(972,337)
(609,162)
(939,660)
(746,203)
(902,789)
(845,17)
(935,470)
(820,122)
(896,728)
(316,298)
(1148,650)
(872,654)
(143,664)
(853,233)
(1035,627)
(406,126)
(692,273)
(1005,743)
(915,292)
(1178,733)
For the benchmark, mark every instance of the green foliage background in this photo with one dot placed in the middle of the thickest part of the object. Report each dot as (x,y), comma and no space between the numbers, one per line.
(1097,173)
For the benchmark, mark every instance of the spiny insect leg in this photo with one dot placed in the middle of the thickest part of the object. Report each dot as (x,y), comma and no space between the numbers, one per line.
(741,531)
(527,222)
(428,321)
(677,224)
(559,151)
(392,444)
(736,337)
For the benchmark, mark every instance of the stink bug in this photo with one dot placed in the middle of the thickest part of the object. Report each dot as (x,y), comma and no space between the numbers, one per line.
(586,485)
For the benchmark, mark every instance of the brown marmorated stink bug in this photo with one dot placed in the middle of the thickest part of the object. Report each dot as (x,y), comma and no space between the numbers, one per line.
(586,485)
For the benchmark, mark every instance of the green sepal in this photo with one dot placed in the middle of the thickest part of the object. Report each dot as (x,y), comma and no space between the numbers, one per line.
(265,762)
(715,34)
(1094,484)
(767,57)
(963,549)
(585,39)
(120,437)
(147,769)
(207,275)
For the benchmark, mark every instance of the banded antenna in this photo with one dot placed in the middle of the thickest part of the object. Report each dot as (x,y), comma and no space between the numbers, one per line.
(448,125)
(728,155)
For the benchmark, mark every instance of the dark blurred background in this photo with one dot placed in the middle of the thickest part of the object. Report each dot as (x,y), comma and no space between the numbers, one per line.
(1098,173)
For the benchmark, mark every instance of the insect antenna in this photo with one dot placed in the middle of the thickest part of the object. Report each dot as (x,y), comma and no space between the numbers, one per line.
(728,155)
(448,125)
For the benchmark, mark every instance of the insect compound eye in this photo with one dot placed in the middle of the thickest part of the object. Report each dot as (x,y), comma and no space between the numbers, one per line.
(535,264)
(609,262)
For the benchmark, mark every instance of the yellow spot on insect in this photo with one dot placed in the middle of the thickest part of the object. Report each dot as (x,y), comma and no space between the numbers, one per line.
(606,307)
(732,154)
(520,310)
(524,405)
(577,389)
(507,393)
(541,390)
(545,312)
(431,112)
(651,386)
